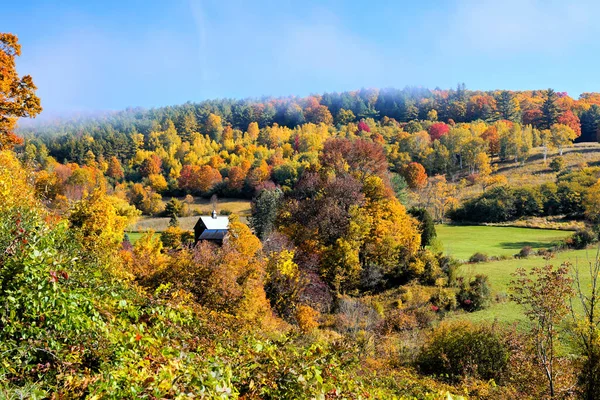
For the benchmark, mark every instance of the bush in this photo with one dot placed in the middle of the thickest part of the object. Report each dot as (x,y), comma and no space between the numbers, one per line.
(225,212)
(495,205)
(461,349)
(475,295)
(525,252)
(478,257)
(444,299)
(398,321)
(557,164)
(307,318)
(581,239)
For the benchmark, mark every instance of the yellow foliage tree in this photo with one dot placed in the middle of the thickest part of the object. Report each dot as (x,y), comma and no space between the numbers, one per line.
(101,220)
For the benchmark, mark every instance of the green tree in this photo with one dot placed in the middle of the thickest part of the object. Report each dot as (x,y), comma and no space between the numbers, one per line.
(174,208)
(264,212)
(426,225)
(550,109)
(507,106)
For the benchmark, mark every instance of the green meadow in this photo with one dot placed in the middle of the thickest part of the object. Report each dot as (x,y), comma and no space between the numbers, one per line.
(507,241)
(462,242)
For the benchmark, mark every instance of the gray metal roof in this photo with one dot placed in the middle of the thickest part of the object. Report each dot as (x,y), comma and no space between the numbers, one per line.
(213,234)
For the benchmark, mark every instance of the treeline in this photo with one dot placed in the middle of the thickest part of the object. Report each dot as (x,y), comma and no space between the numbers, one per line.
(576,194)
(156,154)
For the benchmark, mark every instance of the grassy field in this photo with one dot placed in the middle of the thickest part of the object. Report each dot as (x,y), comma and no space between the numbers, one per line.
(462,241)
(499,274)
(200,206)
(134,236)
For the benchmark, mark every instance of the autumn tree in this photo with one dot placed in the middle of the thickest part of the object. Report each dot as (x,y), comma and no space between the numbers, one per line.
(438,130)
(115,170)
(252,131)
(562,136)
(591,202)
(361,157)
(151,166)
(17,94)
(544,292)
(586,331)
(344,117)
(228,279)
(101,220)
(415,175)
(571,120)
(214,127)
(284,283)
(198,179)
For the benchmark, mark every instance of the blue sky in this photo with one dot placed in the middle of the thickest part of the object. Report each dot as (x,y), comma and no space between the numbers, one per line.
(103,55)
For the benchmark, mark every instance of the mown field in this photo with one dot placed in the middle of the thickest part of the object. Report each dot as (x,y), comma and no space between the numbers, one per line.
(499,273)
(462,242)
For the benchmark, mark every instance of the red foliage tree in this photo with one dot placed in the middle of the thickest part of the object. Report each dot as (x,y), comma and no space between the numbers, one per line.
(362,126)
(533,116)
(490,135)
(115,170)
(571,120)
(438,130)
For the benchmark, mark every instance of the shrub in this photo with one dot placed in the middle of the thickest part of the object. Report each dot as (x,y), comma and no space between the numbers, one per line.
(495,205)
(225,212)
(475,295)
(445,299)
(307,318)
(581,239)
(425,316)
(478,257)
(461,349)
(525,252)
(557,164)
(398,321)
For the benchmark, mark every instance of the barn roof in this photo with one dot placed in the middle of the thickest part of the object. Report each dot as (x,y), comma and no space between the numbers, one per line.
(213,234)
(220,222)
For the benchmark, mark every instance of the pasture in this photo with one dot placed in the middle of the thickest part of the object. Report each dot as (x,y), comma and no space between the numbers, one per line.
(461,242)
(499,274)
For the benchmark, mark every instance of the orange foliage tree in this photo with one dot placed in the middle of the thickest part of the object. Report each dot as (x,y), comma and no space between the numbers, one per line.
(17,95)
(415,175)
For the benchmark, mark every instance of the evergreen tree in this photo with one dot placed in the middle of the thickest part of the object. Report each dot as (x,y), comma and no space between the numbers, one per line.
(426,225)
(507,106)
(264,211)
(550,109)
(589,123)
